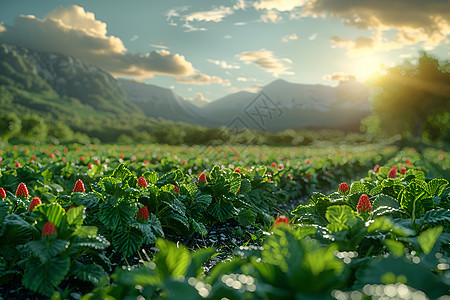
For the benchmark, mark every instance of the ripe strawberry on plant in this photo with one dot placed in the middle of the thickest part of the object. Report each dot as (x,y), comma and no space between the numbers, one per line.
(402,171)
(376,168)
(392,172)
(202,178)
(176,189)
(143,213)
(343,189)
(238,170)
(364,204)
(79,187)
(2,193)
(34,202)
(142,182)
(22,191)
(281,219)
(49,229)
(289,176)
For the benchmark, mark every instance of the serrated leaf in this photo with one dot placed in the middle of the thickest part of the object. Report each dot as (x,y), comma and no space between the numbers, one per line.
(151,177)
(94,242)
(358,187)
(85,231)
(246,217)
(122,173)
(436,186)
(223,211)
(428,238)
(376,190)
(340,217)
(386,224)
(127,241)
(45,249)
(88,272)
(4,209)
(385,200)
(202,201)
(411,197)
(198,227)
(116,214)
(43,278)
(190,188)
(147,232)
(199,258)
(436,216)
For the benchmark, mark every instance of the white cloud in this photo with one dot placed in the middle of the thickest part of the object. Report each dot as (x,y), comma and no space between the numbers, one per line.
(227,36)
(135,37)
(223,64)
(244,79)
(339,76)
(289,37)
(215,15)
(413,22)
(256,88)
(239,4)
(271,16)
(280,5)
(199,99)
(267,61)
(190,28)
(159,46)
(313,36)
(203,79)
(73,31)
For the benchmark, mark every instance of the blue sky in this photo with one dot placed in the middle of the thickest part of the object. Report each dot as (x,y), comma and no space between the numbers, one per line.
(208,49)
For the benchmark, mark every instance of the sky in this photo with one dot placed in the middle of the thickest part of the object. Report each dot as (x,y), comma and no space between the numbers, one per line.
(205,50)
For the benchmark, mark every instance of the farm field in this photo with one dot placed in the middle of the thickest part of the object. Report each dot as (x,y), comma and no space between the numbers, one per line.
(257,222)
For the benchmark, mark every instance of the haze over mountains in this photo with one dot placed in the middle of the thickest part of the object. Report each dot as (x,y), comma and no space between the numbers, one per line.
(41,82)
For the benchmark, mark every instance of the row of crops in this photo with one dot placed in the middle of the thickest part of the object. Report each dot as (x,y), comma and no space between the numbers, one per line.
(109,222)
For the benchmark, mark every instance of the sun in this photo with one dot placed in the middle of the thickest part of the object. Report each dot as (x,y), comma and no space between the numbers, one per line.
(366,66)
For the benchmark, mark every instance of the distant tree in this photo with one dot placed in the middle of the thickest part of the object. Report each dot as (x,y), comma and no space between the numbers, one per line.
(33,128)
(412,100)
(10,125)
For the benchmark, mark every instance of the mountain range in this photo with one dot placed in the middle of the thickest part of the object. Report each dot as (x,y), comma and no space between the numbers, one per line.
(37,82)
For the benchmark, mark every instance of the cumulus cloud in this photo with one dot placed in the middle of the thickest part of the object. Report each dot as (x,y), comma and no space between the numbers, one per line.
(365,45)
(215,15)
(73,31)
(223,64)
(244,79)
(339,76)
(412,21)
(313,36)
(199,99)
(280,5)
(267,61)
(203,79)
(289,37)
(271,16)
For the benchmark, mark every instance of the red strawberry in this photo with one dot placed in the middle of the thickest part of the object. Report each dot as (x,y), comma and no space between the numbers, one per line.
(402,171)
(289,176)
(2,193)
(281,219)
(343,188)
(202,178)
(34,202)
(280,167)
(143,213)
(18,165)
(176,189)
(238,170)
(274,165)
(376,168)
(49,229)
(308,176)
(142,182)
(79,187)
(22,191)
(393,172)
(364,204)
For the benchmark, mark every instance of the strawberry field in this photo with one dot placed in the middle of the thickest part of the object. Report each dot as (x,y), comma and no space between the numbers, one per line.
(178,222)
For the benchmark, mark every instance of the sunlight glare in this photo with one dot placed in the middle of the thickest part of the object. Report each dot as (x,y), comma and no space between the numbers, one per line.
(366,66)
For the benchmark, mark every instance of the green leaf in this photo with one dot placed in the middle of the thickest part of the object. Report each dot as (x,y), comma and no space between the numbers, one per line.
(116,214)
(171,260)
(358,187)
(385,200)
(340,217)
(151,177)
(385,224)
(411,197)
(46,249)
(397,248)
(75,216)
(85,231)
(202,201)
(4,209)
(246,217)
(88,272)
(127,241)
(122,173)
(190,188)
(94,242)
(223,211)
(428,238)
(436,216)
(147,232)
(376,190)
(235,182)
(199,258)
(198,227)
(53,212)
(43,278)
(436,186)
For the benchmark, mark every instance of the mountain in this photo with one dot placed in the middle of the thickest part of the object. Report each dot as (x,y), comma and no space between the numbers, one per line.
(46,82)
(158,102)
(282,105)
